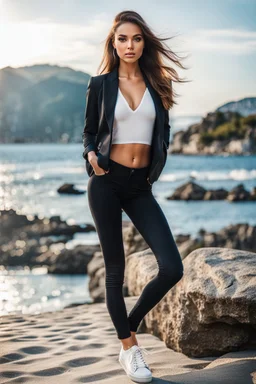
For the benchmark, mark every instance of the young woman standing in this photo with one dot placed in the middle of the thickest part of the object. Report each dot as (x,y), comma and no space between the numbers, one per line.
(126,136)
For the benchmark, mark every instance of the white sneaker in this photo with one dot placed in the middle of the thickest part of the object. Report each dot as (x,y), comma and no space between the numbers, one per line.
(134,365)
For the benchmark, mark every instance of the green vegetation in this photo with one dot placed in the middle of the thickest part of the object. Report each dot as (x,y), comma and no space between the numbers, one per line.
(234,129)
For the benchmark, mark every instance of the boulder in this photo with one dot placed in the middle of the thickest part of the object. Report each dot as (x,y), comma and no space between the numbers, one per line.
(193,191)
(211,310)
(239,193)
(69,189)
(188,191)
(68,261)
(216,194)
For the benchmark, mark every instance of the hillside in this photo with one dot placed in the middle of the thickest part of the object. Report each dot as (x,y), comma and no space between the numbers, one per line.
(42,103)
(218,132)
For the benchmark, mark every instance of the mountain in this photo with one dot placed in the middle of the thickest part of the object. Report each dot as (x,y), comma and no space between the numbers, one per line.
(42,103)
(244,107)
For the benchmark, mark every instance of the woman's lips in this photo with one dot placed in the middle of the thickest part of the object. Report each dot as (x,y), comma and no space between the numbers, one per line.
(129,54)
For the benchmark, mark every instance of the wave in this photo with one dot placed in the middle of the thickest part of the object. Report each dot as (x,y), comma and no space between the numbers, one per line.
(234,174)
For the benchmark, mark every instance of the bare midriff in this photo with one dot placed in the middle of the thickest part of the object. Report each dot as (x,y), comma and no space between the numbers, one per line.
(132,155)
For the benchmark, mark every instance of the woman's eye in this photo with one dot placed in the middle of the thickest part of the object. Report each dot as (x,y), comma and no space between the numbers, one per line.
(137,38)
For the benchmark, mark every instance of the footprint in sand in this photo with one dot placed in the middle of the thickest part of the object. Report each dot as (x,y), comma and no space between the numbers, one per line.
(50,372)
(82,361)
(82,337)
(11,374)
(11,357)
(34,350)
(96,345)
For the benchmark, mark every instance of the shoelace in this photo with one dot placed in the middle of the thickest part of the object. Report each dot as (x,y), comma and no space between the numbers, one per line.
(137,358)
(145,350)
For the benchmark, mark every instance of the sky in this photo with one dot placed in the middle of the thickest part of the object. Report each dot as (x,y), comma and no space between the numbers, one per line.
(216,38)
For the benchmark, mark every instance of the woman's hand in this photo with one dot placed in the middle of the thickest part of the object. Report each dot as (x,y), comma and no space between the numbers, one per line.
(93,160)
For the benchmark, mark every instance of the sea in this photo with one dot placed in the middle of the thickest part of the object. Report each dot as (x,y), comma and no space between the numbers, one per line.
(30,175)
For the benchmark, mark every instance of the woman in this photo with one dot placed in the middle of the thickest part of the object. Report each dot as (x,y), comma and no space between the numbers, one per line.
(126,136)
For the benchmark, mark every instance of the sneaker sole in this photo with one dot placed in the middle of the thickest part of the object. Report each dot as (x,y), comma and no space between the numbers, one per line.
(134,378)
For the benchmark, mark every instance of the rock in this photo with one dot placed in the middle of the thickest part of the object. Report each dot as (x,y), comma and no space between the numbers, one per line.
(68,261)
(211,310)
(239,236)
(26,241)
(238,193)
(182,238)
(69,188)
(216,194)
(133,241)
(188,191)
(253,193)
(188,246)
(193,191)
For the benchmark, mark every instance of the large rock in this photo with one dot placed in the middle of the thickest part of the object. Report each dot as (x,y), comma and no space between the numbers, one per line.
(28,240)
(237,236)
(211,310)
(216,194)
(239,193)
(69,189)
(68,261)
(188,191)
(133,241)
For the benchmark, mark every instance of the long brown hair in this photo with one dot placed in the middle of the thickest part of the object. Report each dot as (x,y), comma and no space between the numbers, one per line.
(151,62)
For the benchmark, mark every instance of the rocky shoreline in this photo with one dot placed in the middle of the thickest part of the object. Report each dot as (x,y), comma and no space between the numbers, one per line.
(219,133)
(194,191)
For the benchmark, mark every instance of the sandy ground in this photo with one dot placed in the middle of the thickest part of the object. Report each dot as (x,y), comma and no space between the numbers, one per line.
(79,345)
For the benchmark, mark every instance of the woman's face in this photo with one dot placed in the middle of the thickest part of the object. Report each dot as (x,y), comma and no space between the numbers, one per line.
(129,38)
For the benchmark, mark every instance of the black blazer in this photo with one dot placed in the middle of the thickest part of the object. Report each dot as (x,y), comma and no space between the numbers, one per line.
(101,99)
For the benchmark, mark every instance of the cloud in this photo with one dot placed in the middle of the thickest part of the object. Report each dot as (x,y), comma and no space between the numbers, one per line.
(231,41)
(46,41)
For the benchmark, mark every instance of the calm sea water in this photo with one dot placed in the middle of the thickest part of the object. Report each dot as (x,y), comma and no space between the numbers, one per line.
(30,175)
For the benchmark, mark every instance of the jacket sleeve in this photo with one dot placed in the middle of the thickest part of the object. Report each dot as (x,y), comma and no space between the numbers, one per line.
(91,120)
(167,128)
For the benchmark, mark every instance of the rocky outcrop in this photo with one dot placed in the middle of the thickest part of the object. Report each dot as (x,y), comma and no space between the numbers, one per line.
(28,241)
(68,261)
(69,189)
(193,191)
(211,310)
(188,191)
(235,236)
(218,133)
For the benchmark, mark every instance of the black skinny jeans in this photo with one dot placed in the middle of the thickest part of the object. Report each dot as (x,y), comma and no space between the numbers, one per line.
(127,188)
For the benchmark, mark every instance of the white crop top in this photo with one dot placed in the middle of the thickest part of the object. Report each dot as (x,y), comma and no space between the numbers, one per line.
(134,126)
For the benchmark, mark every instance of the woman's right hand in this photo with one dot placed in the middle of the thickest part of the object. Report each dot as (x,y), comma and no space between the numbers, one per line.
(93,160)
